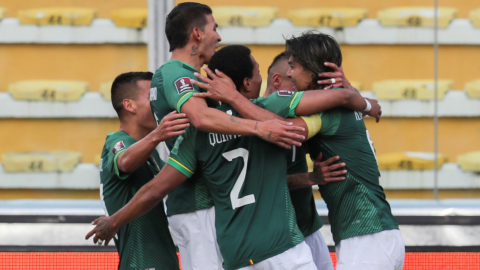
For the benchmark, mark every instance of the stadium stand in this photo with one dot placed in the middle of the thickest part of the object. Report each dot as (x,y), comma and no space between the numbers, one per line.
(416,16)
(49,90)
(244,16)
(470,161)
(327,17)
(410,89)
(130,17)
(105,89)
(357,85)
(2,13)
(54,161)
(409,161)
(475,17)
(57,16)
(473,89)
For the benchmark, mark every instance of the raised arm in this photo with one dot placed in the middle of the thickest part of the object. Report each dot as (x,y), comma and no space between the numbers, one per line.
(171,126)
(144,200)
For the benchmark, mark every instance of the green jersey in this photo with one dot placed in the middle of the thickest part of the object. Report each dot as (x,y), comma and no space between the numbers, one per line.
(303,201)
(356,206)
(144,243)
(246,176)
(170,89)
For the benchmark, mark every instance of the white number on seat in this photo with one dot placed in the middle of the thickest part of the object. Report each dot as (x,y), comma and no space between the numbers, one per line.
(235,193)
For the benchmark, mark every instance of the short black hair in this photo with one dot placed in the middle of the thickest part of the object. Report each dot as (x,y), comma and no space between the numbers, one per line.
(235,62)
(311,50)
(125,87)
(181,21)
(278,58)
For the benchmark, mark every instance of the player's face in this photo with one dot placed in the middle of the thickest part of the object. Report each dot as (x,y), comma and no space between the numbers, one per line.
(287,82)
(301,78)
(144,111)
(211,40)
(256,81)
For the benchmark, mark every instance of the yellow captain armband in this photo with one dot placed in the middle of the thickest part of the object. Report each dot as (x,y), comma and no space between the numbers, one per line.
(314,123)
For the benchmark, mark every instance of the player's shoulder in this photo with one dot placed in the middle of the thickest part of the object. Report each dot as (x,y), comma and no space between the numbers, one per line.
(176,68)
(118,140)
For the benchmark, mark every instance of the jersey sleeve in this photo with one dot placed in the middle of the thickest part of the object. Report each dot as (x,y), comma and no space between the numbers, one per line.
(182,157)
(116,147)
(330,122)
(178,87)
(281,102)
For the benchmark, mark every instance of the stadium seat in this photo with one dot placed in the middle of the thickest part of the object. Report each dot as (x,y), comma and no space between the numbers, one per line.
(475,17)
(106,90)
(410,89)
(57,16)
(470,161)
(130,17)
(473,89)
(357,85)
(327,17)
(416,16)
(53,161)
(2,13)
(50,90)
(244,16)
(96,159)
(409,161)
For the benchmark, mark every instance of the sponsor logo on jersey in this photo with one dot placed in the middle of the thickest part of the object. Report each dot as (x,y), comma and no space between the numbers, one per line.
(183,85)
(285,93)
(153,93)
(177,145)
(118,146)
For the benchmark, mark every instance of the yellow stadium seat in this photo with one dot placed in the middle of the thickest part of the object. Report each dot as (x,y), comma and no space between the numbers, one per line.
(2,13)
(53,161)
(51,90)
(475,17)
(106,90)
(357,85)
(328,17)
(96,159)
(416,16)
(130,17)
(473,89)
(470,161)
(57,16)
(244,16)
(409,161)
(410,89)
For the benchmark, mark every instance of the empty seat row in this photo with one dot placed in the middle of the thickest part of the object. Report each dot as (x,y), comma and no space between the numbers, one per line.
(256,16)
(50,161)
(64,90)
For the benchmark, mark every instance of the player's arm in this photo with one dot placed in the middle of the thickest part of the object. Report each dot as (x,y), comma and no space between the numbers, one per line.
(144,200)
(323,173)
(133,157)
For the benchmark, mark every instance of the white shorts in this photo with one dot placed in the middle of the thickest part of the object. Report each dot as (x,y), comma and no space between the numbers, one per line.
(376,251)
(298,257)
(320,253)
(196,239)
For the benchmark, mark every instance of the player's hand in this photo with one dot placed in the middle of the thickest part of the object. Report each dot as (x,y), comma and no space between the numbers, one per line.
(219,86)
(338,75)
(172,125)
(104,231)
(326,172)
(376,110)
(281,133)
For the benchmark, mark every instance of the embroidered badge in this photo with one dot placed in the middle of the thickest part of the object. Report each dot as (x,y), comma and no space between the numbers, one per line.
(183,85)
(117,147)
(285,93)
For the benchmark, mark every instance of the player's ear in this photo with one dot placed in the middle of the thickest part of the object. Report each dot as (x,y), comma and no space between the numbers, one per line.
(129,105)
(277,80)
(247,85)
(197,34)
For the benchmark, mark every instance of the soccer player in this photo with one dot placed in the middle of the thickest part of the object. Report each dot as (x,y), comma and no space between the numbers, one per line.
(365,232)
(303,201)
(129,160)
(191,32)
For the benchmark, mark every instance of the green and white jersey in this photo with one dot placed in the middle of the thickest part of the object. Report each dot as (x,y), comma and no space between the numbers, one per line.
(170,89)
(357,206)
(303,201)
(246,176)
(144,243)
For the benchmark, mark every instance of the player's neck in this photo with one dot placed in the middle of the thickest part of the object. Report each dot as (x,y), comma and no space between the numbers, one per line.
(189,55)
(134,130)
(269,91)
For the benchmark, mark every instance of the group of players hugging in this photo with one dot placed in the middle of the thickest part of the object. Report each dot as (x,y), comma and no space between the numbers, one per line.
(234,164)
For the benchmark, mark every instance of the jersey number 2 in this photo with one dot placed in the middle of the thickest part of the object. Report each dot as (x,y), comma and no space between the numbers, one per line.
(235,193)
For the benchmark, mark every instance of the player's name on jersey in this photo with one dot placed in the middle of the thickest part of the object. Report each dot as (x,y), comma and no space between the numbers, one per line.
(215,138)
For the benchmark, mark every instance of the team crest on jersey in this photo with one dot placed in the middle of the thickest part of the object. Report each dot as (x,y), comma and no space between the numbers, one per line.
(183,85)
(118,146)
(285,93)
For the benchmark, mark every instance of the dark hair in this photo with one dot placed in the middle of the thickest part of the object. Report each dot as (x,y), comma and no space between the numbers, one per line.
(311,50)
(181,21)
(125,87)
(235,62)
(278,58)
